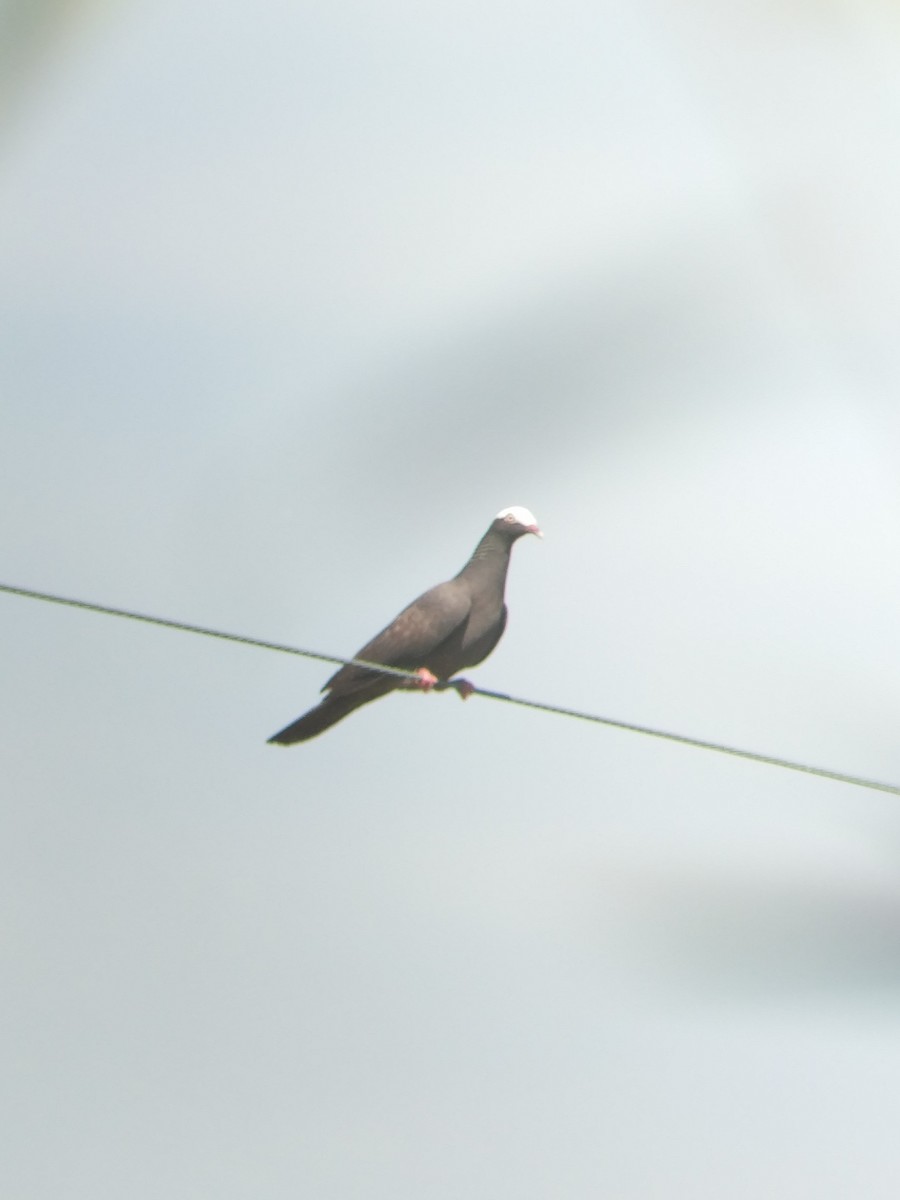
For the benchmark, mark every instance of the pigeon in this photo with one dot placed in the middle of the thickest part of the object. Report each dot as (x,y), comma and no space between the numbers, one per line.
(450,627)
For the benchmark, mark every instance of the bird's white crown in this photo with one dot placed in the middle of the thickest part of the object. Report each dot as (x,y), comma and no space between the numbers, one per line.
(521,515)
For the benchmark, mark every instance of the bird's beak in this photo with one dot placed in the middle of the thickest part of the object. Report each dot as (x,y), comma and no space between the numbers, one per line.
(533,529)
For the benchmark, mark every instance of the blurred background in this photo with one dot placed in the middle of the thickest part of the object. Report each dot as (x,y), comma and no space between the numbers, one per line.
(294,298)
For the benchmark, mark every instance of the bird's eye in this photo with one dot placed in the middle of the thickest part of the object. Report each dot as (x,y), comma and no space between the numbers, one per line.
(510,518)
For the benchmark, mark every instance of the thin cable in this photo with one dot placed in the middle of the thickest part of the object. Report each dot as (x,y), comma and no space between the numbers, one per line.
(719,747)
(202,630)
(752,755)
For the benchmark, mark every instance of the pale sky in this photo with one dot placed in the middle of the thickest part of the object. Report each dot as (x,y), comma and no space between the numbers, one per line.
(294,299)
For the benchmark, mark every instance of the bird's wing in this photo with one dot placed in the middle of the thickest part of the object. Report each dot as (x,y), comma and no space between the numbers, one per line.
(410,638)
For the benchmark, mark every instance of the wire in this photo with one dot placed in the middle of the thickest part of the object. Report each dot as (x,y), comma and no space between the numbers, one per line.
(106,610)
(700,744)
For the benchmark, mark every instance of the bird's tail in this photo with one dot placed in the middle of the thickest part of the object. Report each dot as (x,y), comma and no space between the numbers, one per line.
(326,713)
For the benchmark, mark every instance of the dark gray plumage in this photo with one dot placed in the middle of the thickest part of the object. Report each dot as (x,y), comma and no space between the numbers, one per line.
(450,627)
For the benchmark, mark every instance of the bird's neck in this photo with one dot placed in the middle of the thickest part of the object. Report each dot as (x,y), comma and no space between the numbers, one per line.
(490,560)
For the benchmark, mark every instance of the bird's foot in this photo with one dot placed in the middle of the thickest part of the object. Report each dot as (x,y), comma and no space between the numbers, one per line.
(423,680)
(462,686)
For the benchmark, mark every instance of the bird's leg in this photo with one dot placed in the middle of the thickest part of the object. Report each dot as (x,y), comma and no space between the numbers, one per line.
(423,680)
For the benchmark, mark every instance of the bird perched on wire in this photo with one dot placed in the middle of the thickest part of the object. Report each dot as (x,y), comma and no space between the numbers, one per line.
(450,627)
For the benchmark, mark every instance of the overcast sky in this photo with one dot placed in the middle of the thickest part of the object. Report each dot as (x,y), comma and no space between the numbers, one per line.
(293,298)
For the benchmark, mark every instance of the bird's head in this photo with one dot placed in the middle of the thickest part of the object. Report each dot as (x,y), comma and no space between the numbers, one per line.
(515,521)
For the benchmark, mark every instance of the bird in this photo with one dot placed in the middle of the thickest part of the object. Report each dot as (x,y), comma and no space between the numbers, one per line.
(452,626)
